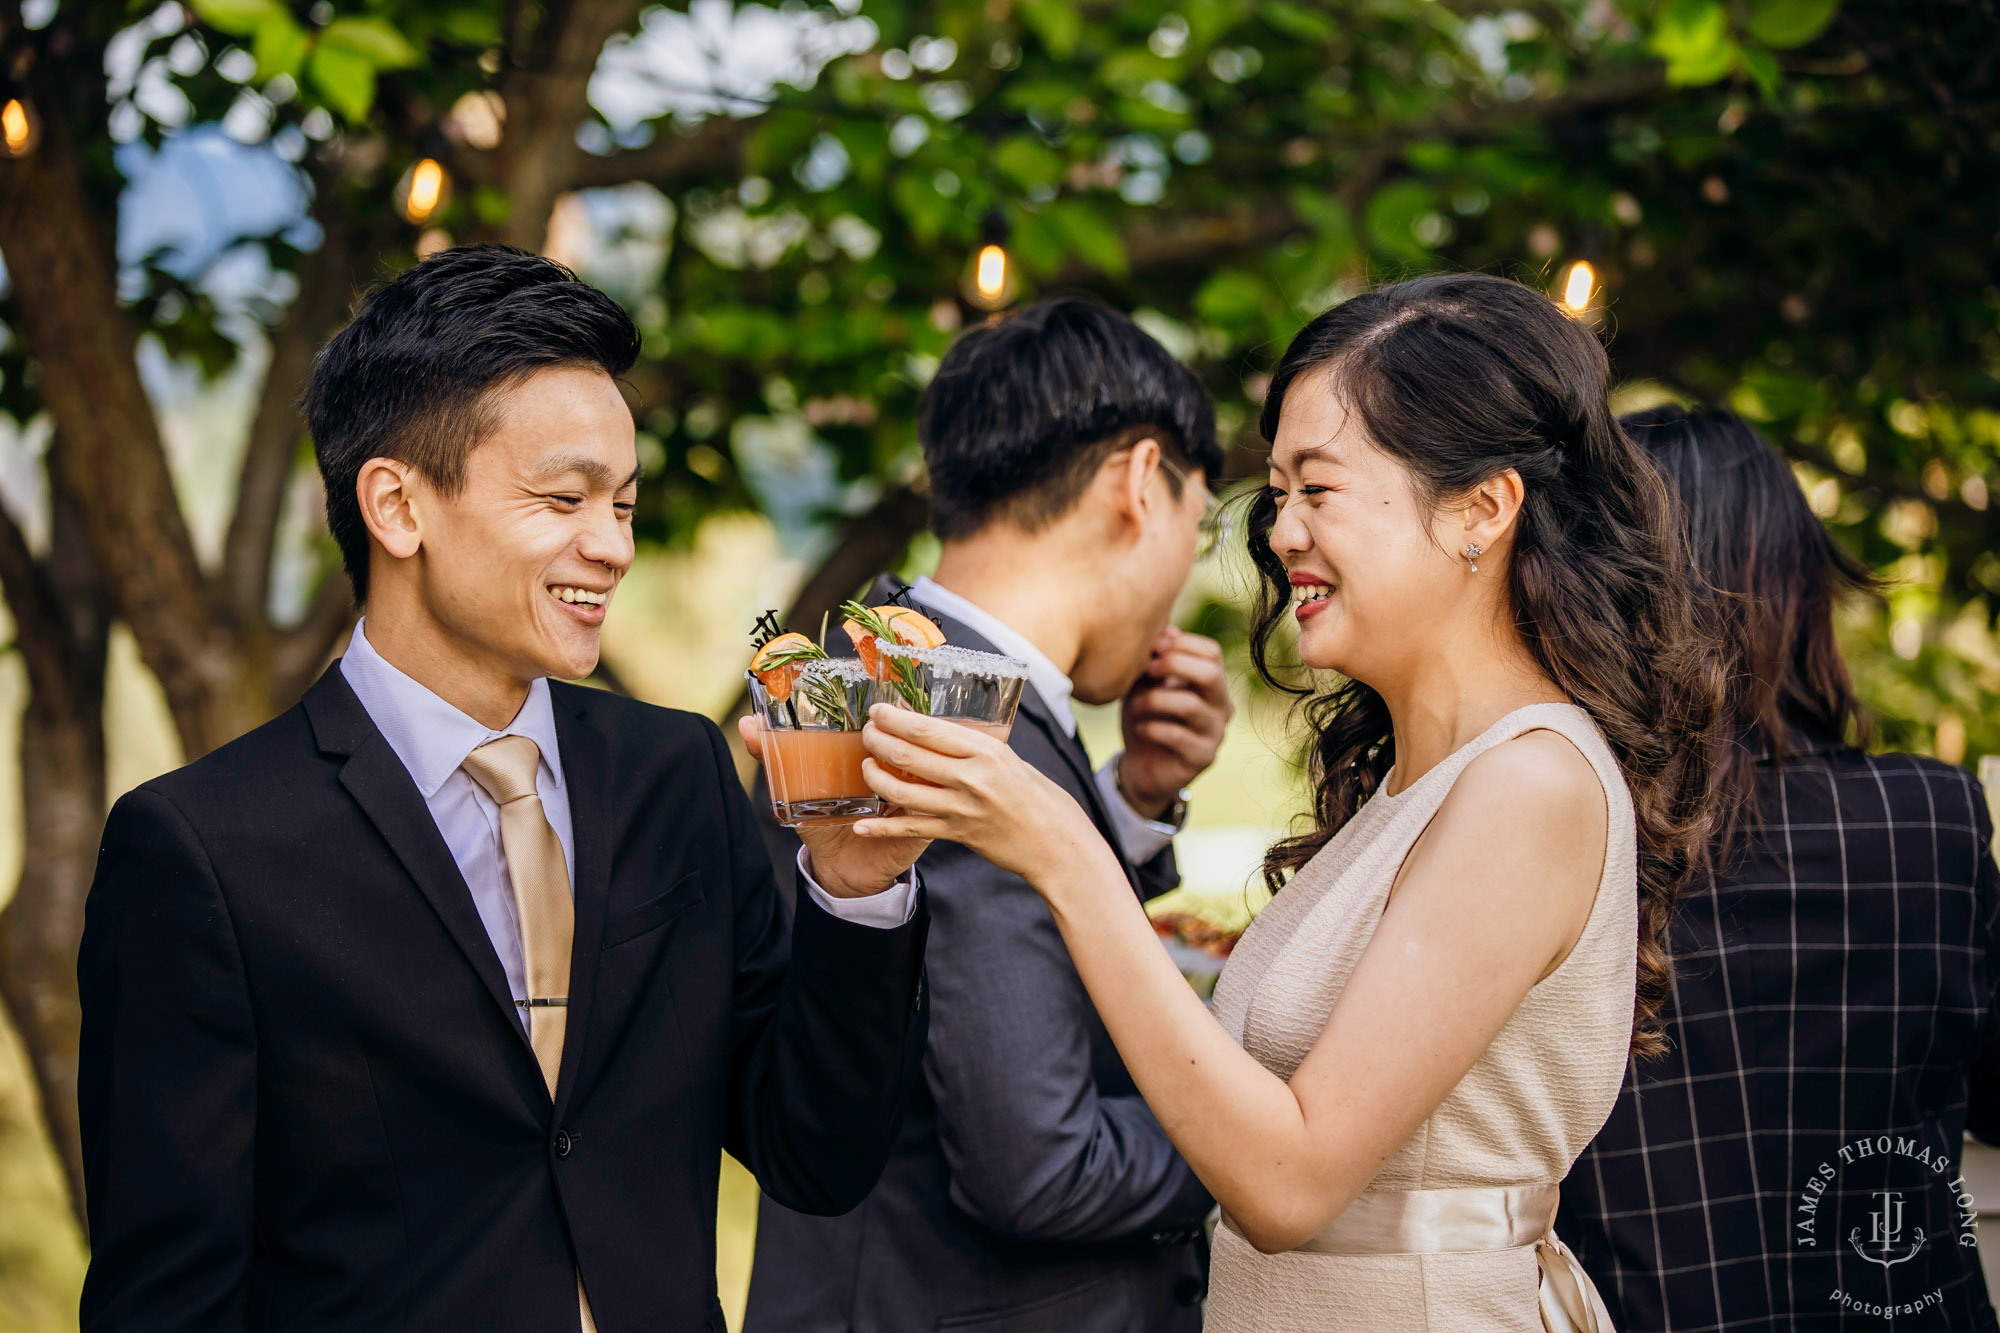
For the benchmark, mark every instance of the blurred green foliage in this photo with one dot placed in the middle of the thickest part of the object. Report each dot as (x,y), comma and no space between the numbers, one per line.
(1790,207)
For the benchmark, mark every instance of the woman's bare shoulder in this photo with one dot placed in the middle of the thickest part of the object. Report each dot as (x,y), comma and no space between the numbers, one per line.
(1530,813)
(1537,771)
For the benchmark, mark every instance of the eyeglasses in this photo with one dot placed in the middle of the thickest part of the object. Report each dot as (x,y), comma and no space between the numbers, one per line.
(1214,524)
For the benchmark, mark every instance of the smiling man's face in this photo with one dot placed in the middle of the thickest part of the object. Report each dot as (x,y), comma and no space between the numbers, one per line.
(518,568)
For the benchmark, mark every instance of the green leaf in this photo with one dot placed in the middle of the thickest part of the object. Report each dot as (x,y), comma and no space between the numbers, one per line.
(1308,25)
(1136,113)
(1692,36)
(1132,69)
(927,211)
(1393,215)
(1057,23)
(1208,20)
(1322,212)
(239,18)
(1432,156)
(344,79)
(1033,94)
(373,39)
(470,27)
(1027,162)
(280,47)
(1232,299)
(1762,66)
(1789,23)
(1036,242)
(491,206)
(1096,241)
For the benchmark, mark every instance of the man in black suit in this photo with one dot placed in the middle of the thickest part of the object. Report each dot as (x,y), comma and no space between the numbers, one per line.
(356,1054)
(1031,1189)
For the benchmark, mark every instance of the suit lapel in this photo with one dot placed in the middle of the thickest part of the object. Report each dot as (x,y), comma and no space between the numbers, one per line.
(1072,752)
(383,789)
(586,774)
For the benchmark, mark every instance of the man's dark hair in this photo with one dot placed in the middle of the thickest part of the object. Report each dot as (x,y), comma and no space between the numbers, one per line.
(416,375)
(1023,411)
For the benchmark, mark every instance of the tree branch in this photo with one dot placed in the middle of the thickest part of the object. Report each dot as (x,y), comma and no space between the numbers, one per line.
(60,259)
(41,633)
(672,161)
(301,652)
(61,621)
(546,100)
(326,286)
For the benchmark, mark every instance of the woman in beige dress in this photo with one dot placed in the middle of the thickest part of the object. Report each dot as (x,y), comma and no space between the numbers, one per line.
(1432,1018)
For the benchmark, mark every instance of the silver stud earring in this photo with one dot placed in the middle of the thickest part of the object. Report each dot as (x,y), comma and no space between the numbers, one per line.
(1473,551)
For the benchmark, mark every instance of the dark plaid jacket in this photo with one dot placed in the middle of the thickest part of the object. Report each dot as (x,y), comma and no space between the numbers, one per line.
(1792,1163)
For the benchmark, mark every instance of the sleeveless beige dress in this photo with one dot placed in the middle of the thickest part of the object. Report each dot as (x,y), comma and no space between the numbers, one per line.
(1519,1118)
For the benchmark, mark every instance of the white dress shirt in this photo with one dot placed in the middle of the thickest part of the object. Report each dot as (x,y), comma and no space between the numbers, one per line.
(432,738)
(1140,838)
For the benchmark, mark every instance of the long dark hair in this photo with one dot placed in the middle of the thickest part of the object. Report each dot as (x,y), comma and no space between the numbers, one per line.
(1460,377)
(1772,574)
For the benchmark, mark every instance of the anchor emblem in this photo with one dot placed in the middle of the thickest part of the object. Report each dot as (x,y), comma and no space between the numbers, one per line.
(1885,1233)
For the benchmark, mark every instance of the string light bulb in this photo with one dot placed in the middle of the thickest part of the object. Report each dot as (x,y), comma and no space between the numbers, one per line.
(990,274)
(1579,287)
(20,128)
(423,190)
(990,279)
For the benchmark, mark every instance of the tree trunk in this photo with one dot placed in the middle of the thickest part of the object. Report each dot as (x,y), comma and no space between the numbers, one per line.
(62,620)
(62,784)
(547,96)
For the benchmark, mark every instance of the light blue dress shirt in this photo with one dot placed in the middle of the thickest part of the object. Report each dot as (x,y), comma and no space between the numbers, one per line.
(432,738)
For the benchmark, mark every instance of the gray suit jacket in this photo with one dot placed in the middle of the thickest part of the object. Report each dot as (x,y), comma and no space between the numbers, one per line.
(1030,1188)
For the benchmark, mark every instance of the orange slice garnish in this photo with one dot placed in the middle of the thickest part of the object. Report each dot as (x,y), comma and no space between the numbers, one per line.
(911,629)
(778,680)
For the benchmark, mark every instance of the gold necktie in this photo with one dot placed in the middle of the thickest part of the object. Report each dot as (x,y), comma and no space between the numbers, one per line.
(542,901)
(506,770)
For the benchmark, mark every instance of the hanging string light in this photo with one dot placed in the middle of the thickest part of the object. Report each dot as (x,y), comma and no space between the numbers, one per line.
(20,128)
(423,190)
(991,281)
(1579,286)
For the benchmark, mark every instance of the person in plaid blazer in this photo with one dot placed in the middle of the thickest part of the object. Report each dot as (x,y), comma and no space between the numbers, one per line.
(1794,1161)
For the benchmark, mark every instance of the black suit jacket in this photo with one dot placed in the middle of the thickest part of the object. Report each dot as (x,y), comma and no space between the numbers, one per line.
(307,1102)
(1031,1189)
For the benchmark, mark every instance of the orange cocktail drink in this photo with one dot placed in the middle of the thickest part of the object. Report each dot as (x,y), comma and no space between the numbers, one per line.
(808,767)
(812,743)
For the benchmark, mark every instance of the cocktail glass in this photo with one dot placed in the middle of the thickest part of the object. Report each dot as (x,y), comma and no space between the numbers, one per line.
(962,685)
(812,744)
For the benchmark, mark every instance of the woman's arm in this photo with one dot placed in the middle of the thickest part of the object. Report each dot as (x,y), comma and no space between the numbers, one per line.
(1491,899)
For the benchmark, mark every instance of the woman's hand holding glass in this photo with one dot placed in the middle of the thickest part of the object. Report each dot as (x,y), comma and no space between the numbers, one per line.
(844,865)
(956,783)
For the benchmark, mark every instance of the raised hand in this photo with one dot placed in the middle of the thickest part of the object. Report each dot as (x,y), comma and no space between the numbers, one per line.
(1173,718)
(951,782)
(844,865)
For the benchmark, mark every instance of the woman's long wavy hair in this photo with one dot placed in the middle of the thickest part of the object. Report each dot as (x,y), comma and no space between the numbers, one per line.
(1460,377)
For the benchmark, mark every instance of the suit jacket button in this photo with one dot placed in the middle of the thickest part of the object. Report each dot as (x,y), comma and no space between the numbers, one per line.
(562,1143)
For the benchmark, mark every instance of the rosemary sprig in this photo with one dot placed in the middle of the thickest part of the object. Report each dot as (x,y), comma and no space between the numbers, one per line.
(829,696)
(910,686)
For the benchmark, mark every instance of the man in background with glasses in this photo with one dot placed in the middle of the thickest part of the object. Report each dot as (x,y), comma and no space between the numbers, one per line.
(1031,1189)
